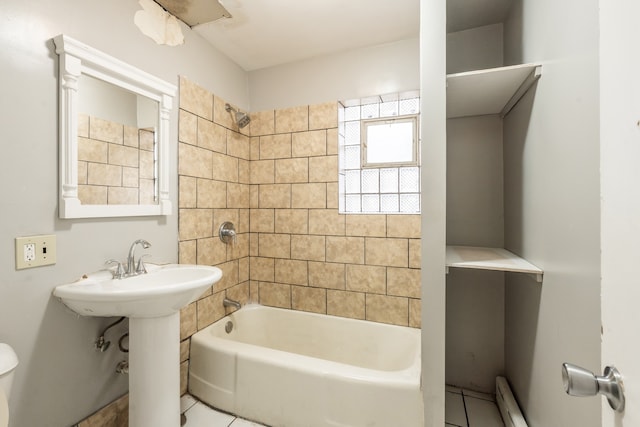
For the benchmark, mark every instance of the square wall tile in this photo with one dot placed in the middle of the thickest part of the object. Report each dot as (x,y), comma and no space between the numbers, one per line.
(292,221)
(229,276)
(262,221)
(309,299)
(275,146)
(195,161)
(196,99)
(292,170)
(224,168)
(291,271)
(238,195)
(187,252)
(415,253)
(210,251)
(195,223)
(348,250)
(323,169)
(366,225)
(274,196)
(403,282)
(295,119)
(187,127)
(346,304)
(387,252)
(327,275)
(211,136)
(311,248)
(309,196)
(326,222)
(210,309)
(387,309)
(323,116)
(263,123)
(188,321)
(262,269)
(308,144)
(238,145)
(332,141)
(274,245)
(403,226)
(211,194)
(184,349)
(367,278)
(275,294)
(262,172)
(415,313)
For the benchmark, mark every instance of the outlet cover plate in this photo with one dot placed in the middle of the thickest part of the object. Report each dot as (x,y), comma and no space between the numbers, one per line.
(35,251)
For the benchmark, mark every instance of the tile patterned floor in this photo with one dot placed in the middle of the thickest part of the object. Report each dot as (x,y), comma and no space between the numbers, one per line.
(200,415)
(464,408)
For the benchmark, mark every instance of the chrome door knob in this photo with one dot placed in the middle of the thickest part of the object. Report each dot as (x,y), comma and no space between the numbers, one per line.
(578,381)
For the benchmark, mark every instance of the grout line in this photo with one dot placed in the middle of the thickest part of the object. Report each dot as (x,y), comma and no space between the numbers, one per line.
(464,403)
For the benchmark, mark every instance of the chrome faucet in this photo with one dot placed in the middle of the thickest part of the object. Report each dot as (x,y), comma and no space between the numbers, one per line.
(228,302)
(132,269)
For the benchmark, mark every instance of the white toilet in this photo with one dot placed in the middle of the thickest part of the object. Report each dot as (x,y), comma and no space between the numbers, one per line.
(8,362)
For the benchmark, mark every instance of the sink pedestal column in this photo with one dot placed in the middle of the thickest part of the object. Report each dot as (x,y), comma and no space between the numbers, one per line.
(154,371)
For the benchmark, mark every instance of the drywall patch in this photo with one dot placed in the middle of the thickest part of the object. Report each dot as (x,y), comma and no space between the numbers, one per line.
(158,24)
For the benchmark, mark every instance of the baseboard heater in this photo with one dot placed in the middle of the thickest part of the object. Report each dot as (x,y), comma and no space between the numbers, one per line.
(509,409)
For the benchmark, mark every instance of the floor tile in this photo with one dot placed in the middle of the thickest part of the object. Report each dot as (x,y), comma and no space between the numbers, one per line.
(186,402)
(452,389)
(477,394)
(200,415)
(454,412)
(482,413)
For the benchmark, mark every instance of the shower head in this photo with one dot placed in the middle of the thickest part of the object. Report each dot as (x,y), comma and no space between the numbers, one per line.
(241,118)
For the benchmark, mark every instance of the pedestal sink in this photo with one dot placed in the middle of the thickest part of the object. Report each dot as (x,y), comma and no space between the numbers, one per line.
(152,302)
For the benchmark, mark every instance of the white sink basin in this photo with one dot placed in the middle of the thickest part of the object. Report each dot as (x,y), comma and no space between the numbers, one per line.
(164,290)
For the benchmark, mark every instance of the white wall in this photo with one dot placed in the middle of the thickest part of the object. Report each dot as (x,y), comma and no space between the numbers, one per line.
(433,97)
(61,379)
(475,299)
(552,201)
(620,203)
(353,74)
(474,49)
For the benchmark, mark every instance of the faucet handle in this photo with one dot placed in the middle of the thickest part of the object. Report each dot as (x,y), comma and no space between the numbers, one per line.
(119,273)
(141,268)
(227,233)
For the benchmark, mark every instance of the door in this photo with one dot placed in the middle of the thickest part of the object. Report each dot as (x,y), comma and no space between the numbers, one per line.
(620,200)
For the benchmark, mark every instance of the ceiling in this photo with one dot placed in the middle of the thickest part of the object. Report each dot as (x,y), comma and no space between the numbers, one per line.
(263,34)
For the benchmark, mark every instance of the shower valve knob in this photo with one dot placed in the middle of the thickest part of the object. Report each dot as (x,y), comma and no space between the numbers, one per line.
(578,381)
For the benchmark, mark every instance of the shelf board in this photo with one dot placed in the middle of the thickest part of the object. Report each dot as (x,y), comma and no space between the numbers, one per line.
(491,91)
(496,259)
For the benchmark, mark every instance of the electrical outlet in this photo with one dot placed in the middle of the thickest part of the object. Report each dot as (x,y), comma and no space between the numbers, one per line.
(35,251)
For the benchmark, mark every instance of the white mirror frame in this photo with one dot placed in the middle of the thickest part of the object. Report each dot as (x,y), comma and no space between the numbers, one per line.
(75,59)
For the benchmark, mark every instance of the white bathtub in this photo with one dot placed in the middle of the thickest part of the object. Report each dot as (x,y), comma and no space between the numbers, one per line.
(288,368)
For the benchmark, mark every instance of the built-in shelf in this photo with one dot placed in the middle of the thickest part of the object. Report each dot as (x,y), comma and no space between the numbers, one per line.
(491,91)
(496,259)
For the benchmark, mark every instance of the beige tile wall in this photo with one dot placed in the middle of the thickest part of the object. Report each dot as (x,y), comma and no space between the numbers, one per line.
(115,163)
(277,180)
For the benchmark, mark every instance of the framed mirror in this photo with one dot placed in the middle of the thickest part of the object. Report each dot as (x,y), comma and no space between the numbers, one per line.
(114,136)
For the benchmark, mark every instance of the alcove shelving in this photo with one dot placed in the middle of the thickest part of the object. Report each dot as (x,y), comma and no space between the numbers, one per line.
(496,259)
(490,91)
(487,92)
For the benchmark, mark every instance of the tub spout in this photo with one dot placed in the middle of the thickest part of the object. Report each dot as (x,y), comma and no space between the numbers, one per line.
(228,302)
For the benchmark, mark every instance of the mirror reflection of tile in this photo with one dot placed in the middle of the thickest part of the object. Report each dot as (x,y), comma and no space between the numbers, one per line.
(115,163)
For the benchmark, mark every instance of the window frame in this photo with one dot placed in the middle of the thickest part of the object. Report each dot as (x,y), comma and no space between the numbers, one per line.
(365,123)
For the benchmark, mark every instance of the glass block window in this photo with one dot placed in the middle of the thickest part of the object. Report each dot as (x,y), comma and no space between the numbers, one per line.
(379,152)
